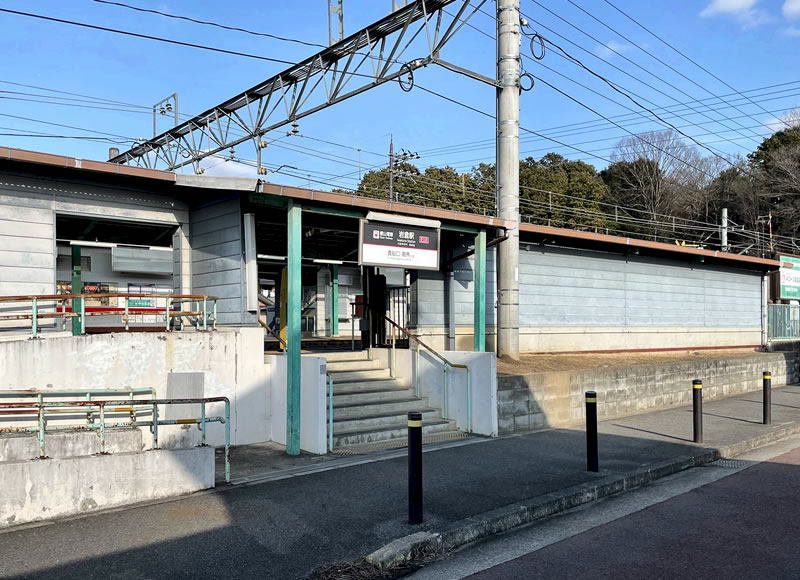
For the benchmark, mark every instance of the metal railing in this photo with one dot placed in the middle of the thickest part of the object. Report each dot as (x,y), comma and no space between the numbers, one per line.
(54,306)
(263,302)
(446,364)
(783,321)
(40,410)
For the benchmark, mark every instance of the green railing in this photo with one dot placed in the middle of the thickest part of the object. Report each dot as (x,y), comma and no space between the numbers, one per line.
(783,322)
(104,414)
(202,309)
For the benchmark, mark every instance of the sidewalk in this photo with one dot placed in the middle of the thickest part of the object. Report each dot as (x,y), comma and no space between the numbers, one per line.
(343,509)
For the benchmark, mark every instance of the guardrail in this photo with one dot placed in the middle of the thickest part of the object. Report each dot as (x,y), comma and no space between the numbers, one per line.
(41,409)
(446,363)
(54,306)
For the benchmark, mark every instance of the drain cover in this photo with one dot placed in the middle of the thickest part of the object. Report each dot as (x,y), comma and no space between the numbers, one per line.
(729,463)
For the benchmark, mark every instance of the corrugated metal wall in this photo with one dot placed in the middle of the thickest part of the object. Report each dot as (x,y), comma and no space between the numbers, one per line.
(27,246)
(566,287)
(217,263)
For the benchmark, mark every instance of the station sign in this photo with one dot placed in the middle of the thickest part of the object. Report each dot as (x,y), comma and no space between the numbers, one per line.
(790,277)
(398,246)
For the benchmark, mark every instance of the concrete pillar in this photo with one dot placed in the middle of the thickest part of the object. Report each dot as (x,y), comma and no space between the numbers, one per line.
(334,300)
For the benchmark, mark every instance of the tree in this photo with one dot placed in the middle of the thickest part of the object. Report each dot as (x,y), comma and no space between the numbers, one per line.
(560,192)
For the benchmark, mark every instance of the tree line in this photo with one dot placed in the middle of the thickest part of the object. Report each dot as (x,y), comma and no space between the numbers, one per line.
(657,186)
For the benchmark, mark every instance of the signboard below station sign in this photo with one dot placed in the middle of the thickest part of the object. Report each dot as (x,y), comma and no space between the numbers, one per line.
(400,246)
(790,277)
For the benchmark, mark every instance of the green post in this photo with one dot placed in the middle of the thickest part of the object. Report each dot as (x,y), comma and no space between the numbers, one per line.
(334,299)
(479,322)
(77,288)
(293,306)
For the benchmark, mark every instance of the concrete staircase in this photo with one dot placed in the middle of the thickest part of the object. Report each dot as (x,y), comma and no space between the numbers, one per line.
(371,407)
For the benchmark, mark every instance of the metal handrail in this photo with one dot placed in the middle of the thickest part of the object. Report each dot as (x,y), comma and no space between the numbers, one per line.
(263,301)
(62,312)
(446,362)
(41,409)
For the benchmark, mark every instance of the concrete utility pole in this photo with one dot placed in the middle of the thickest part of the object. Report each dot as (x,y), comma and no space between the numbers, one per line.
(724,230)
(508,42)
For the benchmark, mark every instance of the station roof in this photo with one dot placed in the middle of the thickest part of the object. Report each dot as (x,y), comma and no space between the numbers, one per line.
(162,181)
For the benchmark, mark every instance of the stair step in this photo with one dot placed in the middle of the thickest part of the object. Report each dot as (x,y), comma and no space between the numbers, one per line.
(367,385)
(345,355)
(354,365)
(355,376)
(372,409)
(376,420)
(388,432)
(375,396)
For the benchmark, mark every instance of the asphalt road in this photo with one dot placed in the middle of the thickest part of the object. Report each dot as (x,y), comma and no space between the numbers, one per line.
(737,519)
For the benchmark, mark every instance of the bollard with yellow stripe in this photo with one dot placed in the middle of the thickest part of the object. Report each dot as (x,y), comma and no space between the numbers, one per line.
(414,467)
(592,452)
(767,398)
(697,409)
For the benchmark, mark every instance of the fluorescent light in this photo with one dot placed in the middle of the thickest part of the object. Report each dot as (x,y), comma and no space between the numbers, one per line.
(336,262)
(270,257)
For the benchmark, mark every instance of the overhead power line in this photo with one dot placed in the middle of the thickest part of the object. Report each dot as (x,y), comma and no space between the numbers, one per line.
(695,63)
(146,36)
(209,23)
(647,52)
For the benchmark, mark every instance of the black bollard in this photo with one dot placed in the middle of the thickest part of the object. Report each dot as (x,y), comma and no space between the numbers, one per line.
(697,401)
(592,461)
(767,397)
(414,467)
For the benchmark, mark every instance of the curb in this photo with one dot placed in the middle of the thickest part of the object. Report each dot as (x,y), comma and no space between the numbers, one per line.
(406,550)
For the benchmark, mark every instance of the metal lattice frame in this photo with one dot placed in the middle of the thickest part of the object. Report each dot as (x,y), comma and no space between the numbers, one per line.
(366,59)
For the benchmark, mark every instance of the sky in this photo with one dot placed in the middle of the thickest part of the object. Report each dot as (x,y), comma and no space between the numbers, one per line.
(750,46)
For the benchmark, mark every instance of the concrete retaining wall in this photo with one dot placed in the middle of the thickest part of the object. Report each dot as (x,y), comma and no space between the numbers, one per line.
(68,444)
(556,399)
(231,361)
(52,488)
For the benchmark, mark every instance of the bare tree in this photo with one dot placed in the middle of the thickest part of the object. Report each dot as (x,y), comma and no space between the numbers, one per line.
(658,173)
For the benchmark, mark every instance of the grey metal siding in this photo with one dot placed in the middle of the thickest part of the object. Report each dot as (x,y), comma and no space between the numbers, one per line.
(217,265)
(27,248)
(565,287)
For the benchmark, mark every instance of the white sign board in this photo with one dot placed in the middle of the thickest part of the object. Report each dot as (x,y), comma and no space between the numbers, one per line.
(385,244)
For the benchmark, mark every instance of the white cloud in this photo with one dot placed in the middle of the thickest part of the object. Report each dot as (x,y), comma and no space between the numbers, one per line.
(792,31)
(791,9)
(735,7)
(227,168)
(612,47)
(743,11)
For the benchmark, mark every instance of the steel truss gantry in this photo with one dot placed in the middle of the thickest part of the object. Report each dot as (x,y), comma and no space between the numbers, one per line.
(366,59)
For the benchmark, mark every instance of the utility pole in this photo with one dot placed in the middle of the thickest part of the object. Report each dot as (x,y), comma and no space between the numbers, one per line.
(724,230)
(391,168)
(394,161)
(335,7)
(508,60)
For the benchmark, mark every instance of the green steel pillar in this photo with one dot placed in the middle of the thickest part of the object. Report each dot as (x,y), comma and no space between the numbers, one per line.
(293,308)
(334,299)
(479,323)
(77,288)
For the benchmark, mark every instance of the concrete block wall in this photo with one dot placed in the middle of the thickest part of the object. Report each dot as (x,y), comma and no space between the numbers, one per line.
(556,399)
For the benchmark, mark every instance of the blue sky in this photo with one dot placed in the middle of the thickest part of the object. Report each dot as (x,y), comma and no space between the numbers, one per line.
(750,44)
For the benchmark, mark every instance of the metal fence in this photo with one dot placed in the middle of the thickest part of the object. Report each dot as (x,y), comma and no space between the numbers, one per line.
(32,413)
(783,321)
(199,309)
